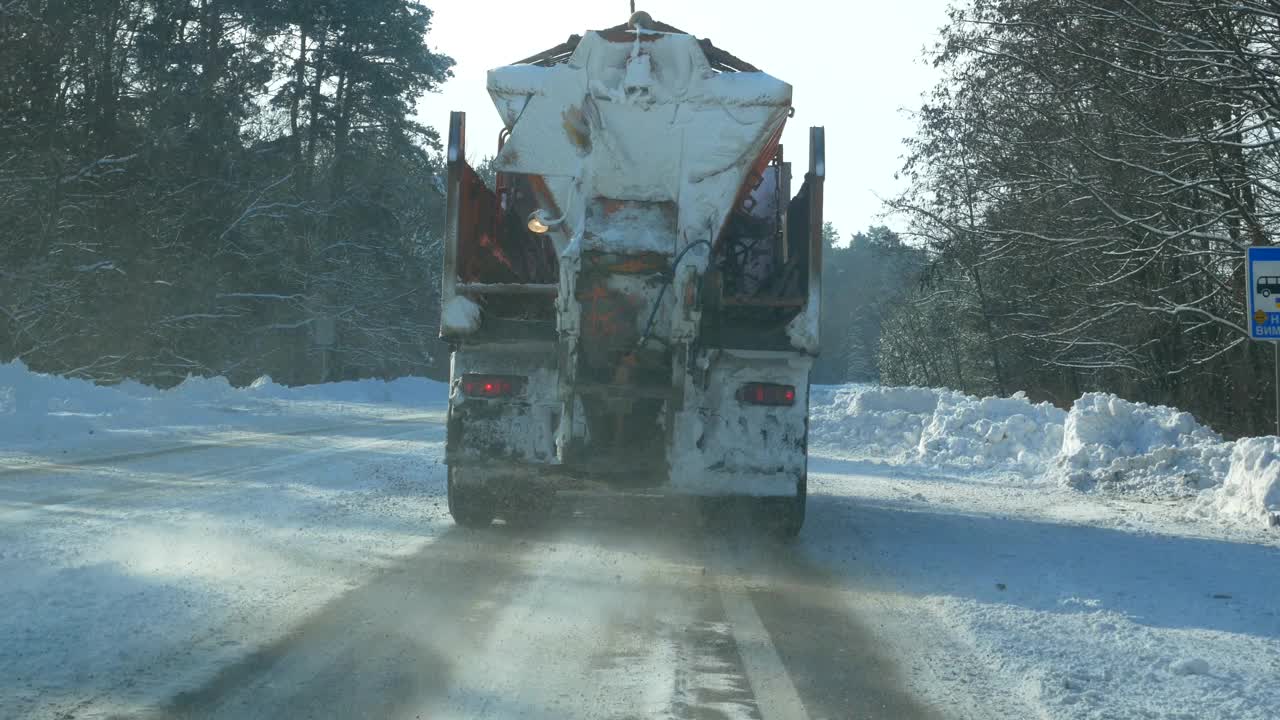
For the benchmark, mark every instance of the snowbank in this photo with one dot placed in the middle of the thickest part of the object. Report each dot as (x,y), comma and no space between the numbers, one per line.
(1139,449)
(52,412)
(1252,486)
(883,422)
(35,406)
(407,391)
(937,427)
(1104,444)
(992,431)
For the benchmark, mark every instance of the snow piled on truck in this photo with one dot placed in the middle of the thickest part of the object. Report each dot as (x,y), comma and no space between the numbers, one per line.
(461,316)
(1104,444)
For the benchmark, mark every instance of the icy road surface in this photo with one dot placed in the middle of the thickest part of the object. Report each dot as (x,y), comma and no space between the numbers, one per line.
(307,567)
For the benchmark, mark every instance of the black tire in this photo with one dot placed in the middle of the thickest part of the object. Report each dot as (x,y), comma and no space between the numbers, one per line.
(780,517)
(784,516)
(1266,293)
(471,507)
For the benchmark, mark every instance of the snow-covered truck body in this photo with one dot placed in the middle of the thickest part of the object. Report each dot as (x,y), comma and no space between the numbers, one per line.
(635,304)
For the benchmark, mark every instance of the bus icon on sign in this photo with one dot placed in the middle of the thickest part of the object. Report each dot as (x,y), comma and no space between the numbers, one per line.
(1268,286)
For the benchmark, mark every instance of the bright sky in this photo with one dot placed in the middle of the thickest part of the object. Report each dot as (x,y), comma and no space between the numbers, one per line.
(856,68)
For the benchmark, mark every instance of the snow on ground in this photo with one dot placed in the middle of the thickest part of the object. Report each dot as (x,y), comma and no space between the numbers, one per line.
(1112,561)
(1079,609)
(1104,444)
(937,426)
(144,535)
(45,416)
(1133,448)
(1252,486)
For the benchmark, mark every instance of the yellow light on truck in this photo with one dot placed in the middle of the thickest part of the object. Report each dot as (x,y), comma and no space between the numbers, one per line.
(536,224)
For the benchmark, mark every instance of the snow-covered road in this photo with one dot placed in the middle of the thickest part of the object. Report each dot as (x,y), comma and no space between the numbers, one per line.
(314,574)
(290,555)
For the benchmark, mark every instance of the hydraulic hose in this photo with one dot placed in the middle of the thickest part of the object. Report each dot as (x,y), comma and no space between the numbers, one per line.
(653,313)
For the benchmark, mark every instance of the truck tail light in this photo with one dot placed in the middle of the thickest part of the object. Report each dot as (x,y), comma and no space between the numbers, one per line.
(491,386)
(767,394)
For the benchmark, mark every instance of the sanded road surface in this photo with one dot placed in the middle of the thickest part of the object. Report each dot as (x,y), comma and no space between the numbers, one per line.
(614,611)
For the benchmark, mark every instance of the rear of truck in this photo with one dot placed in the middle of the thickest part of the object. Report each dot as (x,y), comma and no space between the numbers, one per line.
(634,306)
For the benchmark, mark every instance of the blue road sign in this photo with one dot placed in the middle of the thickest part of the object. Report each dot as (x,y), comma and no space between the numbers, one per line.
(1264,293)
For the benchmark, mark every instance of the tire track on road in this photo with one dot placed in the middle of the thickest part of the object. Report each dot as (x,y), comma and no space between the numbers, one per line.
(379,650)
(807,652)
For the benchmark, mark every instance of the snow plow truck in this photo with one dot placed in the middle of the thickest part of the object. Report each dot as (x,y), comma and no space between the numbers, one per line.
(632,304)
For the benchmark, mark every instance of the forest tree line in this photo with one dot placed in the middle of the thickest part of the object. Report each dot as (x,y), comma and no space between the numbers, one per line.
(217,187)
(864,277)
(1086,179)
(220,187)
(224,187)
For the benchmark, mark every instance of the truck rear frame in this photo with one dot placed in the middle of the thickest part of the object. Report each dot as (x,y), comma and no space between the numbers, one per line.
(603,333)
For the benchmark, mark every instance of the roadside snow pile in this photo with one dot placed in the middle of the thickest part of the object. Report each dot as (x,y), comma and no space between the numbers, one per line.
(880,422)
(1104,444)
(50,411)
(1252,486)
(823,397)
(917,401)
(35,406)
(408,391)
(939,427)
(992,431)
(1139,449)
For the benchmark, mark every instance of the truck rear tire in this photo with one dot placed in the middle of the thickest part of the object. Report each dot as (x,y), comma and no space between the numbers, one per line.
(471,507)
(784,516)
(780,517)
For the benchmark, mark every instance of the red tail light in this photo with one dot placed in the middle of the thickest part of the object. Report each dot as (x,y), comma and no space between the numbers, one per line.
(491,386)
(767,394)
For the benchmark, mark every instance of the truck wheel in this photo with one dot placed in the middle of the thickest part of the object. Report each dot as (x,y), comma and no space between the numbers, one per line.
(471,507)
(784,516)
